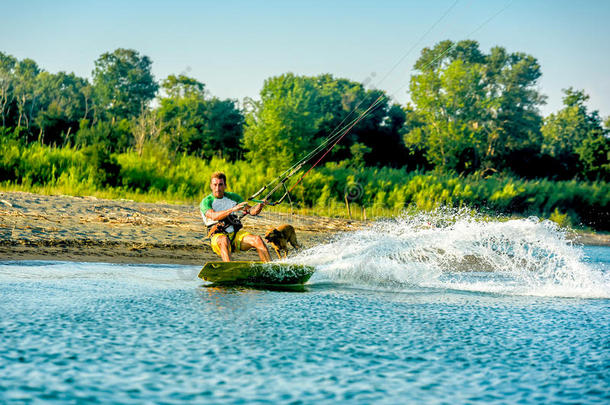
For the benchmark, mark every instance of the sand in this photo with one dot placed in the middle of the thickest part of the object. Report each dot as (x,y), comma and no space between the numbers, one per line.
(42,227)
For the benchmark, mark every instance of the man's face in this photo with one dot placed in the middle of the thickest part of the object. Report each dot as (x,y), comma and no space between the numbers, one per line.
(218,187)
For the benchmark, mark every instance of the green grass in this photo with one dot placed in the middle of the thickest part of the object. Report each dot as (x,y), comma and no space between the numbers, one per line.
(158,176)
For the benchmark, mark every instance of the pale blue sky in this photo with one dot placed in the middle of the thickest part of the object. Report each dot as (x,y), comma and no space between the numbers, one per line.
(233,46)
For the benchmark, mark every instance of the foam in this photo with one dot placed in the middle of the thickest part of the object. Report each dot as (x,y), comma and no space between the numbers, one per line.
(458,250)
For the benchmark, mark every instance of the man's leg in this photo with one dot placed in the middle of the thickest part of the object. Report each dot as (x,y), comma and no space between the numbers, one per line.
(224,246)
(255,241)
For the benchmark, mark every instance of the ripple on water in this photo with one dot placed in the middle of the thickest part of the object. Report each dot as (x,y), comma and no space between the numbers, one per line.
(110,333)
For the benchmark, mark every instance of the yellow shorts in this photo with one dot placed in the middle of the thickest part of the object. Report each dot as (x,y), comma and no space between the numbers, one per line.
(236,242)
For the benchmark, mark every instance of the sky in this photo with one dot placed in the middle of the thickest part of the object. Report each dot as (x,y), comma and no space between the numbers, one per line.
(233,46)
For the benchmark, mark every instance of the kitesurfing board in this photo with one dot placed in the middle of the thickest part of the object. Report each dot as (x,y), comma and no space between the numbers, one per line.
(246,272)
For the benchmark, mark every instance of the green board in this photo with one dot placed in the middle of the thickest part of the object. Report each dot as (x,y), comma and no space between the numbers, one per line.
(255,273)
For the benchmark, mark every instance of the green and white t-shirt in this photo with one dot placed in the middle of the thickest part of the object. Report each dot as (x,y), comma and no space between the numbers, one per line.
(229,200)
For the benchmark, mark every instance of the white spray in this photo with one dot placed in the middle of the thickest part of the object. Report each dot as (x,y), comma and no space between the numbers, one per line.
(458,250)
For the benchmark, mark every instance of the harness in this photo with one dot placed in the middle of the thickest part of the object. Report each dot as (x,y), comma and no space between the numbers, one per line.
(222,225)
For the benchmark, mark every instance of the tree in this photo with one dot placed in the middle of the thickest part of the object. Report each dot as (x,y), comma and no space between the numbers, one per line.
(223,130)
(451,101)
(594,156)
(123,83)
(576,138)
(7,82)
(183,86)
(514,128)
(414,135)
(62,103)
(298,113)
(26,94)
(112,136)
(195,124)
(282,127)
(40,103)
(477,110)
(145,127)
(379,130)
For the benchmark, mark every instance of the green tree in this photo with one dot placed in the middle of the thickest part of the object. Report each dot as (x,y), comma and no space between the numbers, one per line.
(62,103)
(103,168)
(123,83)
(298,113)
(594,156)
(414,135)
(113,136)
(26,94)
(282,125)
(476,110)
(380,131)
(196,124)
(514,122)
(358,151)
(576,138)
(451,101)
(182,86)
(7,83)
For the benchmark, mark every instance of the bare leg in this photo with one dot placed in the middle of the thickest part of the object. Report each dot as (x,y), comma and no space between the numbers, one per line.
(255,241)
(225,249)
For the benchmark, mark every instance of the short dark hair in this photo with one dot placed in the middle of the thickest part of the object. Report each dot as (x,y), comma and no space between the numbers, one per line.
(219,175)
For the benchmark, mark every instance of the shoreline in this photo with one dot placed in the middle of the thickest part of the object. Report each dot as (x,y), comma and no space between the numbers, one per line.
(90,229)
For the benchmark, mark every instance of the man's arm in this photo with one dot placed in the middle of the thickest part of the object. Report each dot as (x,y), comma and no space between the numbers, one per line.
(220,215)
(256,209)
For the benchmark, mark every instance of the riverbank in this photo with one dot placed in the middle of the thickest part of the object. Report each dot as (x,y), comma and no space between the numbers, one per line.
(43,227)
(90,229)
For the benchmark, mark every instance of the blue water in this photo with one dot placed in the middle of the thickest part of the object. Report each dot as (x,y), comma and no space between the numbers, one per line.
(94,332)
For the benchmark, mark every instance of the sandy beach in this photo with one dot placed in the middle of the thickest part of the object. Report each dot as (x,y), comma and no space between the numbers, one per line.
(42,227)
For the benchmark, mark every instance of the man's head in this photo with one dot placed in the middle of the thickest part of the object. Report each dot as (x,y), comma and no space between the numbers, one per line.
(218,183)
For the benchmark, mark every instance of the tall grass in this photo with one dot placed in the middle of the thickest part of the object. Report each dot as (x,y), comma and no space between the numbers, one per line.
(160,176)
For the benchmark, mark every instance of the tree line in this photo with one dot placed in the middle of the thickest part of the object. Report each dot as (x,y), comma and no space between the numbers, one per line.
(471,113)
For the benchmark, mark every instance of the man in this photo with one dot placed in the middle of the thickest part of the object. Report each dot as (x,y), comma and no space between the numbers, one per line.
(218,211)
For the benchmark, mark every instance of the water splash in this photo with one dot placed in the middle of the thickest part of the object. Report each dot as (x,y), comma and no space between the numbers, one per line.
(458,250)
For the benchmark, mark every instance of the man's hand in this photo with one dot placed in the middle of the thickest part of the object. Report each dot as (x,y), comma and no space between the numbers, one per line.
(257,209)
(239,207)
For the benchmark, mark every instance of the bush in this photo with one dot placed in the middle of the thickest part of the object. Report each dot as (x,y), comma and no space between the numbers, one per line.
(103,168)
(112,136)
(159,175)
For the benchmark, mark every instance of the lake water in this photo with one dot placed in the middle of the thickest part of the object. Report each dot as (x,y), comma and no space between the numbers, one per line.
(407,311)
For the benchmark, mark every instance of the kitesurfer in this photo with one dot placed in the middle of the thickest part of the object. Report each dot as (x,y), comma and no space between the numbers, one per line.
(224,227)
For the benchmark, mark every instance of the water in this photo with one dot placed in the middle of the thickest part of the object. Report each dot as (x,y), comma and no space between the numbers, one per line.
(427,310)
